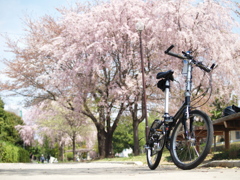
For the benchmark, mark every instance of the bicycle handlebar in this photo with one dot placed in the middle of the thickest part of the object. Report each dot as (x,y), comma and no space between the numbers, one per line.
(203,67)
(168,51)
(188,56)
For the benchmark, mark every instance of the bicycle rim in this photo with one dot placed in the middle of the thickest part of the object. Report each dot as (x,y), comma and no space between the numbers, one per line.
(189,152)
(153,158)
(156,140)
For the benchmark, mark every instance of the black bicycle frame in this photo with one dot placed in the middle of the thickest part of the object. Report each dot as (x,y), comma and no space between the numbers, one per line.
(183,113)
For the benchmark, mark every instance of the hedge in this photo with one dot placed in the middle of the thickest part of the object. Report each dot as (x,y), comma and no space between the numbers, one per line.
(12,154)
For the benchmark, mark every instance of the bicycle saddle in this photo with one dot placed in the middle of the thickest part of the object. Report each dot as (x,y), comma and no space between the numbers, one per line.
(166,75)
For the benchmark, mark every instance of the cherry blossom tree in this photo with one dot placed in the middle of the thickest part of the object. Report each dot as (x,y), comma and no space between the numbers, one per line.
(57,123)
(88,60)
(69,124)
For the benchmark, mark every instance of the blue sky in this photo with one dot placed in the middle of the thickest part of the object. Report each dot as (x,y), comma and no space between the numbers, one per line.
(12,13)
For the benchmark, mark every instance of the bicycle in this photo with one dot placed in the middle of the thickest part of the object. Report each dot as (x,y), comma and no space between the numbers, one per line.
(188,134)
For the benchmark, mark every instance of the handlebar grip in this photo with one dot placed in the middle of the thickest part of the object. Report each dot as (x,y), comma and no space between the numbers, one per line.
(169,49)
(213,65)
(176,55)
(203,67)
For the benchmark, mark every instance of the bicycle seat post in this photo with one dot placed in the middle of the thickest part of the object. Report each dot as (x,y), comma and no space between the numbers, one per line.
(166,116)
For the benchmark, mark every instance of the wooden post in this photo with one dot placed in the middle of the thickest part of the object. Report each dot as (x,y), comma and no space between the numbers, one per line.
(197,144)
(227,139)
(215,143)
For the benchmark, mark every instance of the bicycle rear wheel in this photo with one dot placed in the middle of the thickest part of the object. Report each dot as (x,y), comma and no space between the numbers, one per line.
(153,159)
(156,141)
(188,151)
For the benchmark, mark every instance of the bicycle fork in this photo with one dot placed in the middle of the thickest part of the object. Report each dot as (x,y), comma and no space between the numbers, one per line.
(188,128)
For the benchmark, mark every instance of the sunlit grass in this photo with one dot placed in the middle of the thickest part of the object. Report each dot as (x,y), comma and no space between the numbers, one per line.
(166,158)
(141,158)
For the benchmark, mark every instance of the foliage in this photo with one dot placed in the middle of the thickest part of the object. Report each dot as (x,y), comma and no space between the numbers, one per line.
(11,153)
(8,121)
(69,156)
(13,136)
(123,136)
(10,138)
(232,153)
(35,151)
(219,104)
(48,148)
(121,141)
(55,151)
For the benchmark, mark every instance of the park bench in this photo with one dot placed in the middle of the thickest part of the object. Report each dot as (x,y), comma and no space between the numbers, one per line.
(224,125)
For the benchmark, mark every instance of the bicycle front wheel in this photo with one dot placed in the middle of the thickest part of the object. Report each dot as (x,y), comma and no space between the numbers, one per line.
(189,148)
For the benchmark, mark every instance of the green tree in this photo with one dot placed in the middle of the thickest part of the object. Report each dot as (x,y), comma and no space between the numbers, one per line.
(123,136)
(219,104)
(12,134)
(8,121)
(2,117)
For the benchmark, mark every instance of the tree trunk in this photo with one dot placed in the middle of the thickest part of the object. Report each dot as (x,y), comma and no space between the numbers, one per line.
(105,147)
(109,146)
(134,110)
(105,129)
(61,154)
(74,146)
(135,137)
(101,143)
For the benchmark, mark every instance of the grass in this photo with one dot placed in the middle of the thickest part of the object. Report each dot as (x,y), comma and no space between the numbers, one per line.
(232,153)
(220,154)
(142,158)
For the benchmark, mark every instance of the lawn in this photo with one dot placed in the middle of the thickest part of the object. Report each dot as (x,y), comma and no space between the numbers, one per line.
(141,158)
(220,154)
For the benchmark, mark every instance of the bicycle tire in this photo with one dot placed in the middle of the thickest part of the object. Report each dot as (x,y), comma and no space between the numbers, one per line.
(189,153)
(156,142)
(153,160)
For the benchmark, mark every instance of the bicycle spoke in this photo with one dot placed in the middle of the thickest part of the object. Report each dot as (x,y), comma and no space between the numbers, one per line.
(196,151)
(156,141)
(188,153)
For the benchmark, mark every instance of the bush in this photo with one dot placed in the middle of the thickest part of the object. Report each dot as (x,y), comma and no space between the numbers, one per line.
(12,154)
(232,153)
(69,156)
